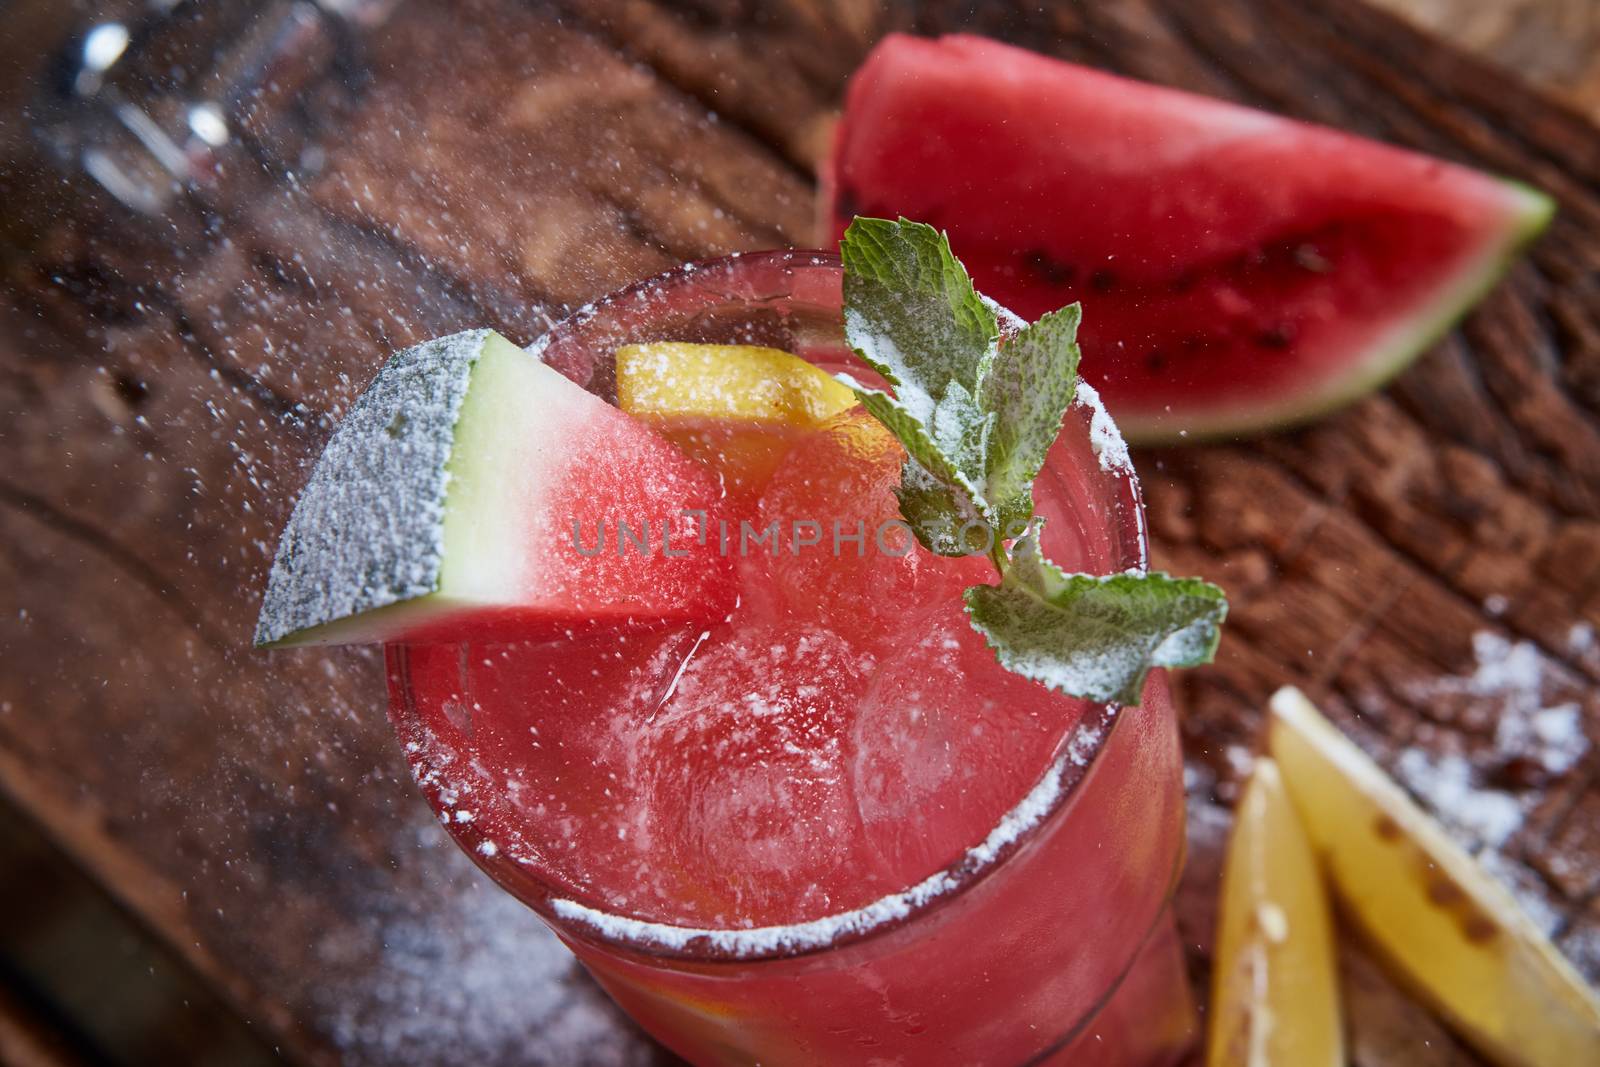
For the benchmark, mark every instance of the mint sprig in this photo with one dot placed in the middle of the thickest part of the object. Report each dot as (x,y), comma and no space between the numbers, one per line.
(1093,636)
(977,418)
(912,314)
(1027,390)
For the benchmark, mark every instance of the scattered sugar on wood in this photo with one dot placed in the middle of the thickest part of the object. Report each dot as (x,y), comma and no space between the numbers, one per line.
(467,974)
(1447,784)
(1581,641)
(1531,706)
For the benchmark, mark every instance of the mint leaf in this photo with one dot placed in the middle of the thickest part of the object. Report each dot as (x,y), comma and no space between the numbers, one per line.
(1094,636)
(937,500)
(939,513)
(1025,393)
(961,431)
(937,496)
(911,312)
(977,420)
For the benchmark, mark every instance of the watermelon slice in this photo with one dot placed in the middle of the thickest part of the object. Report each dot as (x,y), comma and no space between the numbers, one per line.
(1237,270)
(465,496)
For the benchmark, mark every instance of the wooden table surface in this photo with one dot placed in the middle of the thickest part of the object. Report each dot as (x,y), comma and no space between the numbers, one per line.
(1426,563)
(1553,43)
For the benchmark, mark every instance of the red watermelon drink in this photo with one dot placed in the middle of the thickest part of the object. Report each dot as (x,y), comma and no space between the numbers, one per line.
(824,826)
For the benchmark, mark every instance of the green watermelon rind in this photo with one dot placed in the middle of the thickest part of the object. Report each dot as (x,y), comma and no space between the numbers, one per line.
(408,488)
(1384,360)
(375,626)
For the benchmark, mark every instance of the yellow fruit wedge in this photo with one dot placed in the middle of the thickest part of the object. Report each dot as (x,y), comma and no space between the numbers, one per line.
(1453,933)
(735,408)
(1275,985)
(671,380)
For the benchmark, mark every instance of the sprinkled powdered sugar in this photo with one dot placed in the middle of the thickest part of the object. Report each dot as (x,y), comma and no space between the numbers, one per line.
(1513,679)
(1581,639)
(1486,817)
(880,350)
(1104,436)
(455,970)
(368,529)
(1582,946)
(1010,322)
(1530,890)
(818,933)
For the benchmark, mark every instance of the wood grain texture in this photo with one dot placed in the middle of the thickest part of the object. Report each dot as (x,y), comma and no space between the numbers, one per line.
(28,1041)
(167,385)
(1554,44)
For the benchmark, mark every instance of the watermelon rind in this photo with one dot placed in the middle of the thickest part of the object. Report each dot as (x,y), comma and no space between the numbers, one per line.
(1400,345)
(397,523)
(915,139)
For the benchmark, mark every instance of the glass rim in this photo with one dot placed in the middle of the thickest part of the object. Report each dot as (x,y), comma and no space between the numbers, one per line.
(1045,803)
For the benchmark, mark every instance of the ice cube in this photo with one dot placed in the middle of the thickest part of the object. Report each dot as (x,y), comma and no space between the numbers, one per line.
(748,771)
(946,742)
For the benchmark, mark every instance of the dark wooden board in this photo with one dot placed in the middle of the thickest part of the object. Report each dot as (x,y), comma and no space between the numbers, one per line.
(1555,44)
(166,386)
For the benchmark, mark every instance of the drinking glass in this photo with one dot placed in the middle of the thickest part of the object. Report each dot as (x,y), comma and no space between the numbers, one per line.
(1050,942)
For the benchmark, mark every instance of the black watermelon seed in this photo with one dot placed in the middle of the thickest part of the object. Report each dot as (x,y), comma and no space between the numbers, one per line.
(1049,269)
(1155,361)
(849,202)
(1102,281)
(1278,336)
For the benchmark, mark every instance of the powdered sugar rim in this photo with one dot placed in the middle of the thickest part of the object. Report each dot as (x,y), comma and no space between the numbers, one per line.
(1104,437)
(763,941)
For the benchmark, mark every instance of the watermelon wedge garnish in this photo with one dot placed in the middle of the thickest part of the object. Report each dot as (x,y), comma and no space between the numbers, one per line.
(473,492)
(1237,270)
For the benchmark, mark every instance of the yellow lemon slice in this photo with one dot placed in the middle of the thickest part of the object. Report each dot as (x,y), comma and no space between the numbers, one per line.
(736,408)
(1275,999)
(1456,934)
(671,380)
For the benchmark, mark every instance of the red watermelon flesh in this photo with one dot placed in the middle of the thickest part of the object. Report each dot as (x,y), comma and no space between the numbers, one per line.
(474,493)
(1237,270)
